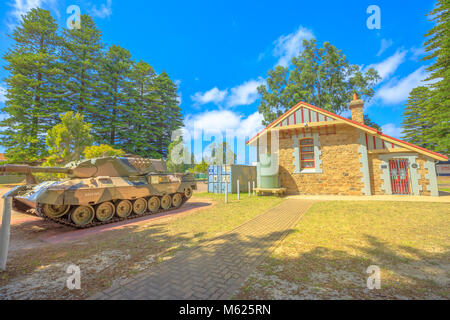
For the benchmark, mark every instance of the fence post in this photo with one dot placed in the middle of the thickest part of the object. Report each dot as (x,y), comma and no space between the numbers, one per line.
(5,232)
(226,194)
(237,188)
(253,187)
(249,189)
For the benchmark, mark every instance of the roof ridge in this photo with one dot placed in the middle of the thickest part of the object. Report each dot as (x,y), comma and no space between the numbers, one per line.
(354,123)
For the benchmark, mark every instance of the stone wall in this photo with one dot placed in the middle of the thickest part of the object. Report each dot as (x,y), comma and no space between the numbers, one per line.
(375,174)
(423,181)
(341,172)
(341,166)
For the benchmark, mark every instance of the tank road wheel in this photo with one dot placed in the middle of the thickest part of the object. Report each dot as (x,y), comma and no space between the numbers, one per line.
(166,202)
(82,215)
(177,199)
(188,192)
(124,208)
(153,204)
(139,206)
(55,210)
(105,211)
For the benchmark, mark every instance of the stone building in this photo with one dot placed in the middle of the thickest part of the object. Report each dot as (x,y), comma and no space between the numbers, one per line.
(320,152)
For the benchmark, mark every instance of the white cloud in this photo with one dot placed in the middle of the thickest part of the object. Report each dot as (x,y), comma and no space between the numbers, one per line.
(21,7)
(241,95)
(245,93)
(2,94)
(388,66)
(392,130)
(105,10)
(221,121)
(384,45)
(214,95)
(396,91)
(288,46)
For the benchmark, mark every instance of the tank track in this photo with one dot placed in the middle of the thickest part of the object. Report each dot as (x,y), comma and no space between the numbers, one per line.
(65,219)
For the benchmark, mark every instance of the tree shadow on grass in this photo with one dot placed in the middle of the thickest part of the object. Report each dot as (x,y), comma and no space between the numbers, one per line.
(324,273)
(191,262)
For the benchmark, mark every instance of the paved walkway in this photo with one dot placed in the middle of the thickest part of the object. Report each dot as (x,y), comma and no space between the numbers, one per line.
(216,268)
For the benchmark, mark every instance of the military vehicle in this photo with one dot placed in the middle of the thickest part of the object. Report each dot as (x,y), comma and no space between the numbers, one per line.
(102,190)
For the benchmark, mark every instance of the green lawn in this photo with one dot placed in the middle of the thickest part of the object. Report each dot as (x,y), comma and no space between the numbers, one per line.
(129,250)
(327,255)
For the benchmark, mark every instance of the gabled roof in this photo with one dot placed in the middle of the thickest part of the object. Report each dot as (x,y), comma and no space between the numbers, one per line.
(352,123)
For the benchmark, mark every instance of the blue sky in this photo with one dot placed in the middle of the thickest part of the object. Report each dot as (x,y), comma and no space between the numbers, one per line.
(219,51)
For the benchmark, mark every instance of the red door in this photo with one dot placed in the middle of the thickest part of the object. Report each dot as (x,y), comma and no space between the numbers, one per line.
(399,176)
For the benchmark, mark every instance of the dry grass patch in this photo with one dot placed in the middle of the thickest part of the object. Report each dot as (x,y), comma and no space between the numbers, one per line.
(328,254)
(39,273)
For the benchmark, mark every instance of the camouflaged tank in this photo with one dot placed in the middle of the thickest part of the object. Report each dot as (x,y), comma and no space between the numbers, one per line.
(102,190)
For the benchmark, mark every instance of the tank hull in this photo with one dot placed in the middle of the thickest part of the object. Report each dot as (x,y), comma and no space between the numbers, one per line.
(91,192)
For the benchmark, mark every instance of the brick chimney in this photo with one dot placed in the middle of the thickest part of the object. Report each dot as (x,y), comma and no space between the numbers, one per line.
(356,108)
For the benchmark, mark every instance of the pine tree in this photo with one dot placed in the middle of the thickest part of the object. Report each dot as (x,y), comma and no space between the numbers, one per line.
(437,105)
(415,123)
(80,57)
(110,122)
(168,114)
(142,106)
(33,86)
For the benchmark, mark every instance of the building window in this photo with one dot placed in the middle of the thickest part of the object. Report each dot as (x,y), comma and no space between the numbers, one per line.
(307,153)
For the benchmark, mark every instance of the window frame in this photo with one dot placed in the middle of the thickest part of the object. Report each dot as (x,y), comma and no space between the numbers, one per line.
(311,145)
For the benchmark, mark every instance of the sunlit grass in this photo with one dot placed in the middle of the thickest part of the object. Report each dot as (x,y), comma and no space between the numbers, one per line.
(335,242)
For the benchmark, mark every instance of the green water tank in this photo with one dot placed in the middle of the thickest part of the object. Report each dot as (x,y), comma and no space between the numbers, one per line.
(267,171)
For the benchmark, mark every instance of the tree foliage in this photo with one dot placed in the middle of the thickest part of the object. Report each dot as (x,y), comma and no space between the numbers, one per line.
(427,113)
(201,167)
(319,76)
(370,123)
(80,54)
(176,156)
(167,114)
(415,123)
(437,106)
(101,151)
(110,125)
(67,140)
(129,105)
(33,84)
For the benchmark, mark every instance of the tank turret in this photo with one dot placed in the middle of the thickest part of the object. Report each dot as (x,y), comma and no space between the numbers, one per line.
(115,167)
(104,166)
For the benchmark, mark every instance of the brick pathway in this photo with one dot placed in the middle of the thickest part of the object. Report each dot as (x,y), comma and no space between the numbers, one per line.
(216,268)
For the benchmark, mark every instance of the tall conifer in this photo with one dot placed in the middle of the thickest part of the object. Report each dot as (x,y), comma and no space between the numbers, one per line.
(33,86)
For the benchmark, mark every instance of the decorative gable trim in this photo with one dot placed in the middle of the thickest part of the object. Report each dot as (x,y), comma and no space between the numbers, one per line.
(312,113)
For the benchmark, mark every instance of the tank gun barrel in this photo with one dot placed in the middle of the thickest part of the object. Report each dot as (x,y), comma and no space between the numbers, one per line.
(30,170)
